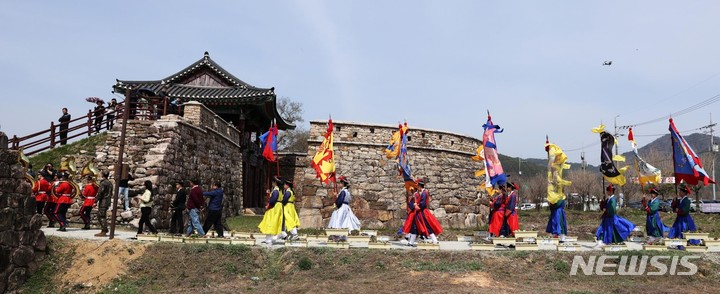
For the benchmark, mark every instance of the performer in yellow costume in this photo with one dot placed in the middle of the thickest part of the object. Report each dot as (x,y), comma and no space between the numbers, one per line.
(273,219)
(291,221)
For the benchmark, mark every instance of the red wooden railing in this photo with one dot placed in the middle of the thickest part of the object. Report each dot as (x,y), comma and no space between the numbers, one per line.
(86,125)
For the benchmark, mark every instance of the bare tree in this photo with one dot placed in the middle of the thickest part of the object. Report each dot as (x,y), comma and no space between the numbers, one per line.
(584,182)
(535,188)
(292,140)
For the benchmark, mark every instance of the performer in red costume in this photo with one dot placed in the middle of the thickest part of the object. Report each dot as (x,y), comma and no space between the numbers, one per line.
(89,193)
(65,193)
(41,190)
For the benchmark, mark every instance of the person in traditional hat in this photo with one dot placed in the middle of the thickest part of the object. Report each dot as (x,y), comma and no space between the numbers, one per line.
(343,216)
(684,222)
(557,222)
(497,211)
(409,229)
(426,223)
(613,228)
(291,221)
(272,221)
(511,223)
(653,223)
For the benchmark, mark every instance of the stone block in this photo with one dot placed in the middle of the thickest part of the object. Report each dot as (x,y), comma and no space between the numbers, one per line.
(310,218)
(366,214)
(309,190)
(452,209)
(40,243)
(384,215)
(7,215)
(311,202)
(16,279)
(440,213)
(471,220)
(23,256)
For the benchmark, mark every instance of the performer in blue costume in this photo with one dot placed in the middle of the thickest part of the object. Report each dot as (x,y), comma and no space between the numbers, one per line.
(681,205)
(613,229)
(343,217)
(653,223)
(557,223)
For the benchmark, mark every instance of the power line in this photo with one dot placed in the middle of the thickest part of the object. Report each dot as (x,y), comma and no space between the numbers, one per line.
(687,110)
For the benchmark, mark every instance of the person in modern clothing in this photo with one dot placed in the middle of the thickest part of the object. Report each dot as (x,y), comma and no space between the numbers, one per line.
(89,193)
(146,208)
(343,216)
(111,114)
(291,221)
(103,203)
(613,228)
(681,205)
(99,113)
(271,224)
(124,190)
(215,206)
(177,207)
(195,206)
(65,193)
(48,172)
(64,120)
(653,223)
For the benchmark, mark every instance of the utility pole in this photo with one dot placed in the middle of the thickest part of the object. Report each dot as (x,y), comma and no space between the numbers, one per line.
(713,151)
(582,160)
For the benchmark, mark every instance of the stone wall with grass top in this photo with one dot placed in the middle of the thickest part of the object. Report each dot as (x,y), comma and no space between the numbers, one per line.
(377,189)
(22,243)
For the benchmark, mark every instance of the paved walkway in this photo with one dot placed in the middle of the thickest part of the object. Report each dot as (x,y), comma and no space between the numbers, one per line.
(129,235)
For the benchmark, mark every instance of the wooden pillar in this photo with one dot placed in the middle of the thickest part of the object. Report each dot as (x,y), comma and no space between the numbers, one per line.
(89,123)
(52,134)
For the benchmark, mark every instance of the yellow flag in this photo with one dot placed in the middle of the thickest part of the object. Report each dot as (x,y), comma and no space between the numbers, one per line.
(556,166)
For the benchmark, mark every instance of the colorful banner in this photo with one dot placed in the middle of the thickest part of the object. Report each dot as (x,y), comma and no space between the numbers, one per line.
(687,163)
(556,166)
(268,143)
(646,172)
(493,168)
(607,167)
(324,160)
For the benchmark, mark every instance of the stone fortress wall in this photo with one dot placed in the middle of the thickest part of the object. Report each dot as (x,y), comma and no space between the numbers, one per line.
(377,189)
(200,145)
(22,244)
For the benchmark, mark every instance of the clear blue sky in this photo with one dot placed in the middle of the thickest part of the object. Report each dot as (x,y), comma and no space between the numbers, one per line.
(536,65)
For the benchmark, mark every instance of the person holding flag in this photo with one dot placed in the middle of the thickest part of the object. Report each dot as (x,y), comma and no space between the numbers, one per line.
(343,216)
(557,221)
(681,205)
(424,222)
(613,228)
(654,226)
(497,211)
(511,222)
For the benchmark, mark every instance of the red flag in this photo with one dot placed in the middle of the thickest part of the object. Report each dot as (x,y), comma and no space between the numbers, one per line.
(269,143)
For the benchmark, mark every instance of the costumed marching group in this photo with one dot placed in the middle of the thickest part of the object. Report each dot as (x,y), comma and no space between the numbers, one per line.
(54,193)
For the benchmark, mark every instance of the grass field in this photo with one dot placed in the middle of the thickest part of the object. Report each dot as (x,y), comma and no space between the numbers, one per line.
(212,268)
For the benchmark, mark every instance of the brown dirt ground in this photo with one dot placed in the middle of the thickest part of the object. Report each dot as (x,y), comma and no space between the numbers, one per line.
(92,263)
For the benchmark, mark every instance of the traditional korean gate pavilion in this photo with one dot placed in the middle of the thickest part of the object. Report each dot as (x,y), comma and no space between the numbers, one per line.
(249,108)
